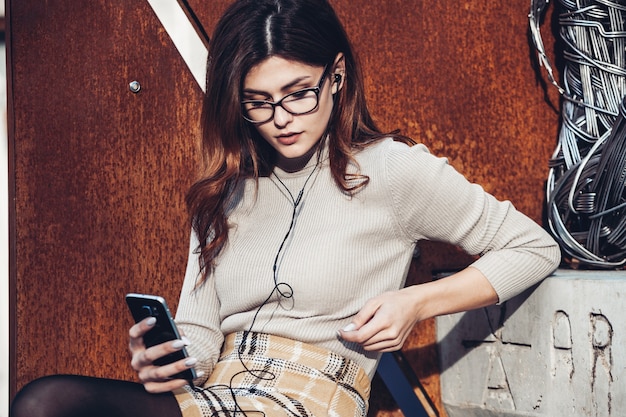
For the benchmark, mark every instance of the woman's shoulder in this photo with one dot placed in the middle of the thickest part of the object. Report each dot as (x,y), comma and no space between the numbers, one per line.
(393,153)
(403,168)
(391,145)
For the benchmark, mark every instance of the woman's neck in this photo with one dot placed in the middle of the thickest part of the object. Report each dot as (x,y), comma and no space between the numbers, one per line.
(292,165)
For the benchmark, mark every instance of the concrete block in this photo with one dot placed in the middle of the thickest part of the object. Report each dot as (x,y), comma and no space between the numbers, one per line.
(556,350)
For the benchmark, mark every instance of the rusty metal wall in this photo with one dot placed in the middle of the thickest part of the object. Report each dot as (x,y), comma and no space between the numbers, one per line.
(99,178)
(99,173)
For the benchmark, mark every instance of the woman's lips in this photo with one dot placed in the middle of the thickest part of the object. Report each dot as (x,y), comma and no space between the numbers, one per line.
(288,138)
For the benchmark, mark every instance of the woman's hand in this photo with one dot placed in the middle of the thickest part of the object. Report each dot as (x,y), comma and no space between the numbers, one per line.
(385,321)
(156,378)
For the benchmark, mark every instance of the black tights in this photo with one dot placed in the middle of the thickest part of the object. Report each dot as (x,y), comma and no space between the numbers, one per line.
(81,396)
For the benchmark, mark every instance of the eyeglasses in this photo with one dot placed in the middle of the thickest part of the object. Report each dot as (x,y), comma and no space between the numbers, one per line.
(297,103)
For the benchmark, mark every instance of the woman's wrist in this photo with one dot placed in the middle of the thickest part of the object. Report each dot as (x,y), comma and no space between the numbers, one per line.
(466,290)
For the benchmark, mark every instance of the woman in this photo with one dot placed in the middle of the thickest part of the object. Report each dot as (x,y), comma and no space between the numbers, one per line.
(304,225)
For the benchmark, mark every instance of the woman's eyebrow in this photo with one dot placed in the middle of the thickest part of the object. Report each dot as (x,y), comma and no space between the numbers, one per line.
(284,88)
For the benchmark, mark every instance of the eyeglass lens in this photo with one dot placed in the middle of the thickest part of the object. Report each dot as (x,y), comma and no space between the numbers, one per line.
(298,102)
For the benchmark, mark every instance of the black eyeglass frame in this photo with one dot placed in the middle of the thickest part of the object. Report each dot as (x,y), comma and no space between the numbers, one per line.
(317,90)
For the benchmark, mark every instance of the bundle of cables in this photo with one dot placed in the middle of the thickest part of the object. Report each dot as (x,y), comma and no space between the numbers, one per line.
(586,192)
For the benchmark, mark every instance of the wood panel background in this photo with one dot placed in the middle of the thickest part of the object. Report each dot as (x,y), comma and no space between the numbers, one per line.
(98,173)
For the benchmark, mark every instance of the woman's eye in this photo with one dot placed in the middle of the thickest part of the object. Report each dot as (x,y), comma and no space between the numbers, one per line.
(299,95)
(258,104)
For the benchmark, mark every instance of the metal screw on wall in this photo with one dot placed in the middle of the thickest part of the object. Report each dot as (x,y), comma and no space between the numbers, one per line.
(134,86)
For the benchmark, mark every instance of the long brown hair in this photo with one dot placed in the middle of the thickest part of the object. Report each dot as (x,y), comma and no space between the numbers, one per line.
(249,32)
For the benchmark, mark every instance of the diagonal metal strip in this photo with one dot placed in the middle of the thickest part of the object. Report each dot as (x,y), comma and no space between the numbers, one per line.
(186,38)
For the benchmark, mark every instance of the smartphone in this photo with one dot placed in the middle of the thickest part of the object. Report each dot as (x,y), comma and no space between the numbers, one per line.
(144,305)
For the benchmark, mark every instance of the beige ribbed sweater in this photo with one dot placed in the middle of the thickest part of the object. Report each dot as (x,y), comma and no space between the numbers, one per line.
(344,250)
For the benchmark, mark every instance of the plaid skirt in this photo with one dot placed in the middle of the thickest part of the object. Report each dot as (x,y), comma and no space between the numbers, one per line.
(263,375)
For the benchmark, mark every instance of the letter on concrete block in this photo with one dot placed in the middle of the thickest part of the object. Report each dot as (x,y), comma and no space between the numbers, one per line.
(498,394)
(562,356)
(602,366)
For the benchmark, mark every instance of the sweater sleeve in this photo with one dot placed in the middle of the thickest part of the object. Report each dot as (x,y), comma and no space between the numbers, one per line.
(431,200)
(198,316)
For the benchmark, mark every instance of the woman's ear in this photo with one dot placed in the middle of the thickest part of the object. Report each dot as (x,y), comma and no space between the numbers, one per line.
(338,73)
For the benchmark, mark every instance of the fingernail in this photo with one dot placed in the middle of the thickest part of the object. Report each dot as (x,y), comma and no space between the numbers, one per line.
(191,362)
(186,341)
(177,344)
(199,374)
(350,327)
(151,321)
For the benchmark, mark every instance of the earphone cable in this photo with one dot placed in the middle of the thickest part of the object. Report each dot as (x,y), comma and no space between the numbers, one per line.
(287,293)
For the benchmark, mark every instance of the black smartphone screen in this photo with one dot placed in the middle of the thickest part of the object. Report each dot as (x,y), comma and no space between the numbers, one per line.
(142,306)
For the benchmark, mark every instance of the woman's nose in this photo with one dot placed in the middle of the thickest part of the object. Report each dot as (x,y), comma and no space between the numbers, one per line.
(281,116)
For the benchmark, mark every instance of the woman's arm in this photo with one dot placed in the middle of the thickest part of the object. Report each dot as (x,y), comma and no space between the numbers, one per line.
(385,321)
(197,316)
(433,201)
